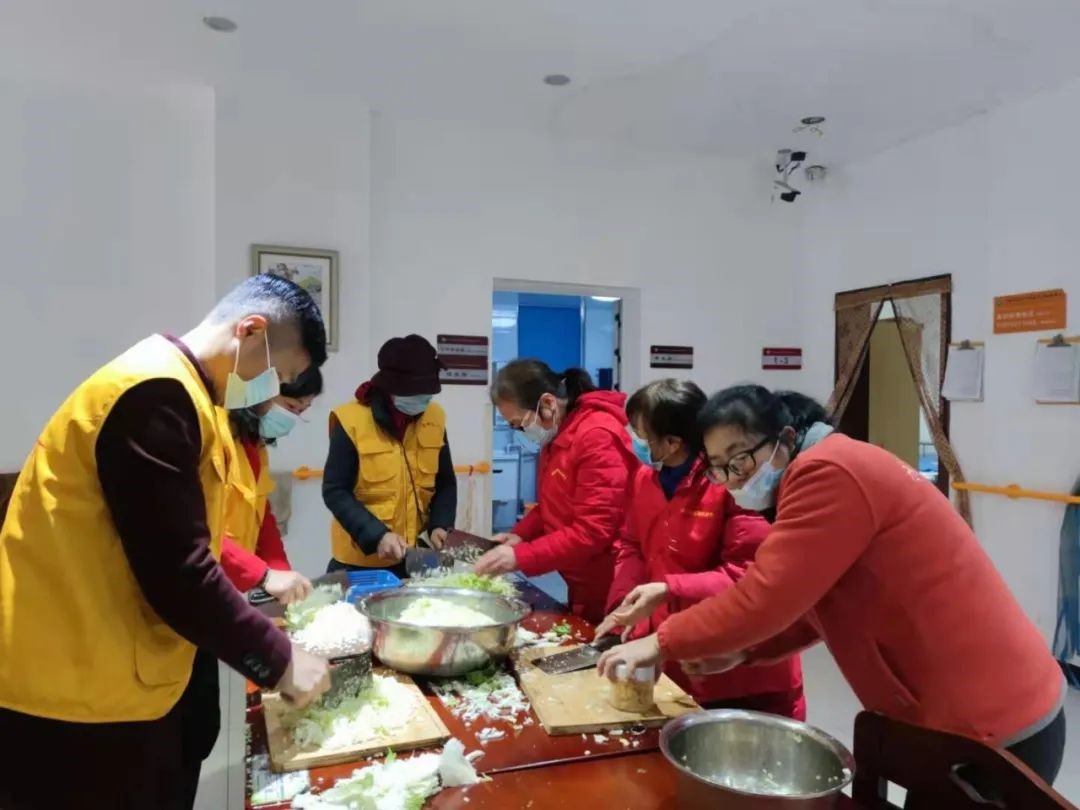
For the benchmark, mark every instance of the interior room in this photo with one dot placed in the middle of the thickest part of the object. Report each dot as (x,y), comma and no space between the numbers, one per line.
(867,203)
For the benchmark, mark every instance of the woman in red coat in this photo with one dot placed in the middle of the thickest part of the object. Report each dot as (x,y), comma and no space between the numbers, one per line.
(585,466)
(869,557)
(685,540)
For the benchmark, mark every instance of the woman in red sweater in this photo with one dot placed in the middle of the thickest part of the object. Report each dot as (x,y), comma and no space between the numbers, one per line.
(683,541)
(585,465)
(869,557)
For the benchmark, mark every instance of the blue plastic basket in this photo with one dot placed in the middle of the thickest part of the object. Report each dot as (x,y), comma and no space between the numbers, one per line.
(361,583)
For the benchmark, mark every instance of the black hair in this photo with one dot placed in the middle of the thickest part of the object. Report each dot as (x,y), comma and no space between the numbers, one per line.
(308,384)
(757,411)
(245,425)
(284,305)
(524,381)
(669,408)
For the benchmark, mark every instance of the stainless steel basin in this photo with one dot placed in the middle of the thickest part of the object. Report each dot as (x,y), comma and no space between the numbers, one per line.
(441,651)
(741,759)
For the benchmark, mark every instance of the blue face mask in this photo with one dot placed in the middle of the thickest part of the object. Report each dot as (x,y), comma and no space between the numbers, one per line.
(759,492)
(641,448)
(414,405)
(277,422)
(240,393)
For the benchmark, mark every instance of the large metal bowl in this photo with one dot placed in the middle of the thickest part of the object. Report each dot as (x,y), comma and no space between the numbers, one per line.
(740,759)
(441,651)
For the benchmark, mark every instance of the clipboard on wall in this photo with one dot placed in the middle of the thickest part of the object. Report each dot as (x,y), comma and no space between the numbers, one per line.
(964,370)
(1056,374)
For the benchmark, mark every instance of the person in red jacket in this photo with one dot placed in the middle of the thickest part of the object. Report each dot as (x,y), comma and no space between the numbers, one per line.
(869,557)
(685,540)
(585,466)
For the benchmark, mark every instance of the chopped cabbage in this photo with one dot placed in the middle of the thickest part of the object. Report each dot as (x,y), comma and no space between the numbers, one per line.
(377,711)
(467,580)
(334,630)
(431,612)
(490,693)
(299,614)
(396,784)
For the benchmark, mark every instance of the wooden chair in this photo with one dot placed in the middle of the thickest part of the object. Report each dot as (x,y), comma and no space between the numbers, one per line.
(929,764)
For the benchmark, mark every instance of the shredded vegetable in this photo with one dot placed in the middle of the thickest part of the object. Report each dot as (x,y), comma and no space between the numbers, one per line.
(334,630)
(300,614)
(466,580)
(396,784)
(376,711)
(490,693)
(429,612)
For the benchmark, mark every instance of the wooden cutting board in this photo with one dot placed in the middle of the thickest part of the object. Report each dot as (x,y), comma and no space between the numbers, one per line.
(576,702)
(424,729)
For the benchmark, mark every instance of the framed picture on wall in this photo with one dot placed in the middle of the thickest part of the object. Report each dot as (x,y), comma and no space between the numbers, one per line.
(314,270)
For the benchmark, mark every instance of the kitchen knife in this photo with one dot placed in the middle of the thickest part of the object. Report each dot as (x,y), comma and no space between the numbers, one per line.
(583,657)
(465,547)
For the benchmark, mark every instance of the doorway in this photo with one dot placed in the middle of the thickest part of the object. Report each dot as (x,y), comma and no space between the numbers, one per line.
(884,406)
(565,331)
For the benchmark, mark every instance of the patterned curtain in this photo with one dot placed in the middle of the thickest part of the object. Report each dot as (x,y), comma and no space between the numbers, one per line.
(921,323)
(854,325)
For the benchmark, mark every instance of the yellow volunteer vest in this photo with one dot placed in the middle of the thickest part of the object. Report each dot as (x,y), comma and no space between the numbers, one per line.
(383,484)
(78,642)
(247,496)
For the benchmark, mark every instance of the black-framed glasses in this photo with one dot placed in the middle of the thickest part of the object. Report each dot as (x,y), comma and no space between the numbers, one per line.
(742,463)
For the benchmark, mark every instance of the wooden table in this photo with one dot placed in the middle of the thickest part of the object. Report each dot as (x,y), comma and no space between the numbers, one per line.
(535,770)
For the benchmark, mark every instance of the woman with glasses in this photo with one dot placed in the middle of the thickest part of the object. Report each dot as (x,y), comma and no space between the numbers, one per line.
(585,463)
(868,556)
(685,540)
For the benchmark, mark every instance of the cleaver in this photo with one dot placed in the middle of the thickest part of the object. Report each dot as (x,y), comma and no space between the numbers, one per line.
(583,657)
(271,607)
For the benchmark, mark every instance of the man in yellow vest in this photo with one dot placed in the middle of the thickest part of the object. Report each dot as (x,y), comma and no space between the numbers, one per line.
(108,571)
(388,474)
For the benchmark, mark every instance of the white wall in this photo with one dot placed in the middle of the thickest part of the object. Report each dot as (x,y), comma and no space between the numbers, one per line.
(454,207)
(296,171)
(993,203)
(107,226)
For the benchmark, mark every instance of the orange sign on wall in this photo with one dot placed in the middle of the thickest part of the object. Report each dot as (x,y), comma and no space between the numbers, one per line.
(1029,312)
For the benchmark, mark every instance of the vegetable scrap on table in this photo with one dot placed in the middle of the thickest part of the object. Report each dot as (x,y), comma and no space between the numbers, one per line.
(489,694)
(396,783)
(374,712)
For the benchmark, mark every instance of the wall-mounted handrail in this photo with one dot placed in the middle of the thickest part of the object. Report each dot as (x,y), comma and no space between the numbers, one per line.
(1016,491)
(481,468)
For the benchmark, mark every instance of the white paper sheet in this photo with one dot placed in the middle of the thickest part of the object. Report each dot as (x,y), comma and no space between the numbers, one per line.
(1057,373)
(964,374)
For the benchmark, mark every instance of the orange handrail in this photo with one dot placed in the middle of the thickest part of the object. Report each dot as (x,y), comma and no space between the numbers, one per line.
(481,468)
(1016,491)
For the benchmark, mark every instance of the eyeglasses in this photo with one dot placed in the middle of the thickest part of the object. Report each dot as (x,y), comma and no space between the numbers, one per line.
(739,464)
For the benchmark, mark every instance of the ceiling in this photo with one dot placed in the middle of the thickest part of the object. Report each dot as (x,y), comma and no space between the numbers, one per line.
(725,76)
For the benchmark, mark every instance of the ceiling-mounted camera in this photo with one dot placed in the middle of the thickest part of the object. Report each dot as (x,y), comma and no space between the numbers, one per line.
(787,161)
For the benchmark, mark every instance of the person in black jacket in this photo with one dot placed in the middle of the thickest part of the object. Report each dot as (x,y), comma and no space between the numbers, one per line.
(388,475)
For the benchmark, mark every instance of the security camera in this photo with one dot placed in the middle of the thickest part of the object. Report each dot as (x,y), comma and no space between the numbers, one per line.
(783,159)
(789,196)
(798,157)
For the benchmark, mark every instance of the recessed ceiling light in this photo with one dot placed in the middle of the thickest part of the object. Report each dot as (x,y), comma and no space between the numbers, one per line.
(557,80)
(223,25)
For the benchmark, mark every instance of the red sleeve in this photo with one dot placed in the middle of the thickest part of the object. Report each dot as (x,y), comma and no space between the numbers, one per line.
(824,524)
(244,569)
(599,501)
(531,526)
(269,546)
(630,568)
(784,645)
(743,533)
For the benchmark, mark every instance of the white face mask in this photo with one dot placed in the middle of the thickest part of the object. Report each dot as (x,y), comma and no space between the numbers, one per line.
(759,492)
(535,430)
(240,393)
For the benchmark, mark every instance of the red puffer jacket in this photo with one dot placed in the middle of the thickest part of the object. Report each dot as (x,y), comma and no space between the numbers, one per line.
(700,543)
(582,480)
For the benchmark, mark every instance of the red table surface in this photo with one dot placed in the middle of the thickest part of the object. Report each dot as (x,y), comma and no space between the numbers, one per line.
(530,765)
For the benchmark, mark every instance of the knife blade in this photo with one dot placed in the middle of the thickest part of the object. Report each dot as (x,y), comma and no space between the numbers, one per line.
(272,608)
(466,548)
(583,657)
